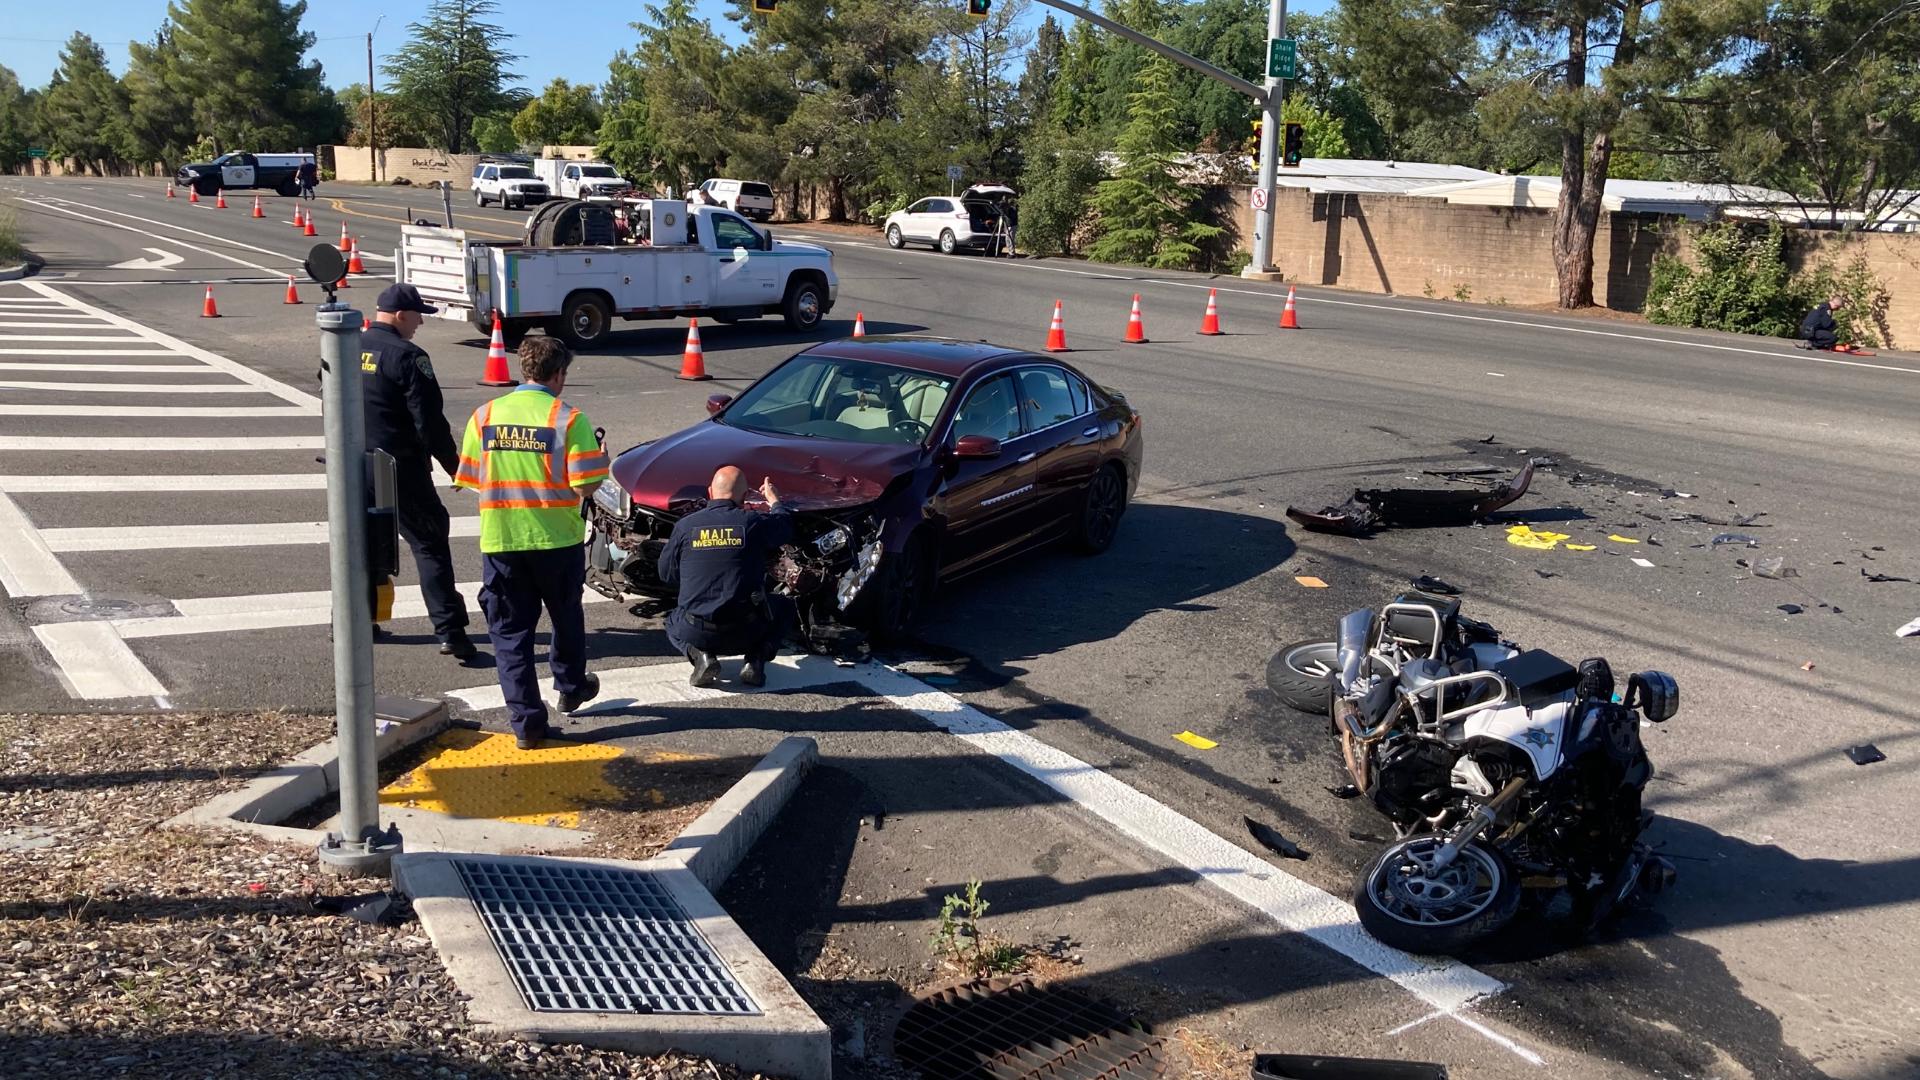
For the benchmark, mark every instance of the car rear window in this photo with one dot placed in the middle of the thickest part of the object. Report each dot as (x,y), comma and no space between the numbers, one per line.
(984,217)
(761,190)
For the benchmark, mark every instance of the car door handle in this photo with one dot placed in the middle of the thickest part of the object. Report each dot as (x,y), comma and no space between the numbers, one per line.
(1091,432)
(728,258)
(1026,457)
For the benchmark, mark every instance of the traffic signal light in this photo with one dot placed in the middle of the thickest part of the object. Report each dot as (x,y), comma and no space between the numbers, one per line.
(1258,123)
(1293,144)
(764,7)
(978,8)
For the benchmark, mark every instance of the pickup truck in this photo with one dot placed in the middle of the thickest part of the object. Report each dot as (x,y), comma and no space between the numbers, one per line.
(748,198)
(273,171)
(668,261)
(579,179)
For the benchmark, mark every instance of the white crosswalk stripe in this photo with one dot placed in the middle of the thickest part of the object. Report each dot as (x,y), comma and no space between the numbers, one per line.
(53,347)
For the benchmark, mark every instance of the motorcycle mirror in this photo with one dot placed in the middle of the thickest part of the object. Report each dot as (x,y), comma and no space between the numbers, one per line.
(1655,694)
(1355,628)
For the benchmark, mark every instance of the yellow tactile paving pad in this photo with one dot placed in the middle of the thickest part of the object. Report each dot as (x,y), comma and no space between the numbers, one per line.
(473,774)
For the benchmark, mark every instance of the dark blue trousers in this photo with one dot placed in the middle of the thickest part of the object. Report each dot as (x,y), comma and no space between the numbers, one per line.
(515,586)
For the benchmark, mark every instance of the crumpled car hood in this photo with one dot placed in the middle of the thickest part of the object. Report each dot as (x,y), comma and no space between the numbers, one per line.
(810,474)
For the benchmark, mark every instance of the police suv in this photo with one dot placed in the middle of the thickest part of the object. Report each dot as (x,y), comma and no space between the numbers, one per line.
(277,172)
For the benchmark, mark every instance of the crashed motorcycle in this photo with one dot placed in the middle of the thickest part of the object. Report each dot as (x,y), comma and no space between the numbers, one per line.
(1509,775)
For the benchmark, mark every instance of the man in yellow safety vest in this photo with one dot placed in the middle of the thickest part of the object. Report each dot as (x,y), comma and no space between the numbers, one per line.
(533,458)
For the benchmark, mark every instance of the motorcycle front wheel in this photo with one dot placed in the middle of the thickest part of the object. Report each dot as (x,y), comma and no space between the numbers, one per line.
(1301,675)
(1403,901)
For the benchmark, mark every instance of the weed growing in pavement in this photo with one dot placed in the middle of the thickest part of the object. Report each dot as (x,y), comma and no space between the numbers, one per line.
(1427,290)
(961,941)
(9,238)
(1462,292)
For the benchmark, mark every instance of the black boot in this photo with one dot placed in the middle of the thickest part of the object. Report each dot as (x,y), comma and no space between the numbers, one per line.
(753,673)
(706,669)
(458,646)
(590,689)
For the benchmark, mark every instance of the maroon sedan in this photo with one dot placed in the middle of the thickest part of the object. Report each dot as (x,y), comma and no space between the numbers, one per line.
(906,461)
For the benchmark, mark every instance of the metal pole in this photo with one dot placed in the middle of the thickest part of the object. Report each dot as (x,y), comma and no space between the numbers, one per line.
(1164,49)
(359,847)
(1262,266)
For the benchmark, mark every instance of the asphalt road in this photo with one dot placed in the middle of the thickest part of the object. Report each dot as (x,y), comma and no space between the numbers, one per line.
(1789,946)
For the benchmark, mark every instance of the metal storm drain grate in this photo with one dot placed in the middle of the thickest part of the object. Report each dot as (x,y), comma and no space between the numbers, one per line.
(1017,1031)
(596,939)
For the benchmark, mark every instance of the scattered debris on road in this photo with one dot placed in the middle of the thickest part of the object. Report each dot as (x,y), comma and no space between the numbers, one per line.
(1435,585)
(1310,582)
(1733,538)
(1371,509)
(1271,839)
(1865,754)
(1908,630)
(1198,742)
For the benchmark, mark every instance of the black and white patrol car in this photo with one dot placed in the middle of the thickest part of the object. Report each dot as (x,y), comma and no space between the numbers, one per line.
(276,172)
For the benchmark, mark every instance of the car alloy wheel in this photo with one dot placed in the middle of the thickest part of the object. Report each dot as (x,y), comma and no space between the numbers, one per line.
(947,243)
(1106,500)
(894,239)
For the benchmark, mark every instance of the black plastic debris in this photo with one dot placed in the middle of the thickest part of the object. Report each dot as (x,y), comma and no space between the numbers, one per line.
(1435,585)
(1792,609)
(1733,538)
(368,908)
(1880,578)
(1321,1067)
(1488,441)
(1367,837)
(1271,839)
(1344,791)
(1546,573)
(1370,509)
(1865,754)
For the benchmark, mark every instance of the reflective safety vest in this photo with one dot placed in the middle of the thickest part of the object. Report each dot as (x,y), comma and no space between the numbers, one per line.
(526,454)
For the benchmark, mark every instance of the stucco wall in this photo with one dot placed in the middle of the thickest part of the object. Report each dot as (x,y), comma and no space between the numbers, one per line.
(421,166)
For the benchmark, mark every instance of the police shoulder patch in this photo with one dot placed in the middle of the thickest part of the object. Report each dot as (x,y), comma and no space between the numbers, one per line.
(425,366)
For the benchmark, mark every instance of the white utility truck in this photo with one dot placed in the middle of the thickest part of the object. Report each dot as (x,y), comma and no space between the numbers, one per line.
(585,264)
(579,179)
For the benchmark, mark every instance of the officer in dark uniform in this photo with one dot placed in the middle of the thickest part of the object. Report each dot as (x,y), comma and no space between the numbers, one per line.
(406,417)
(717,559)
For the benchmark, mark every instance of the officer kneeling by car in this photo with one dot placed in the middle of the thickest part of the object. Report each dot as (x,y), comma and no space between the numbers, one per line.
(717,560)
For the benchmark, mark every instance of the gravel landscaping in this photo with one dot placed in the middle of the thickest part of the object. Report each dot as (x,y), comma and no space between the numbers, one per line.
(130,950)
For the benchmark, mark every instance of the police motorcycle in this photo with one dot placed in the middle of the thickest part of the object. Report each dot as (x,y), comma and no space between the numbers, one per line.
(1507,774)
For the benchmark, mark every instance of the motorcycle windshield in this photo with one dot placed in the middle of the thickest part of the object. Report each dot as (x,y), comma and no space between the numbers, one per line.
(1355,628)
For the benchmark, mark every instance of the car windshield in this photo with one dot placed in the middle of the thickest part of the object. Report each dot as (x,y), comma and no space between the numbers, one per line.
(516,172)
(597,170)
(830,397)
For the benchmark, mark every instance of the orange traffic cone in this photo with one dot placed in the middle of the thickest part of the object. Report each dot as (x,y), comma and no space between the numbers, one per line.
(309,230)
(346,242)
(366,323)
(354,265)
(293,294)
(296,215)
(1210,322)
(1136,330)
(693,363)
(170,193)
(1288,320)
(1057,333)
(193,194)
(257,212)
(859,324)
(207,308)
(343,283)
(220,200)
(497,373)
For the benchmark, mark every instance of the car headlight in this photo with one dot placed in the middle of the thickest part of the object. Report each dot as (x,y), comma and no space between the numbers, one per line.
(613,498)
(865,564)
(832,540)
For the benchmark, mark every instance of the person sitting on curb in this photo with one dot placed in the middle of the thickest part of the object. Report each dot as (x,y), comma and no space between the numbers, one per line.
(1818,330)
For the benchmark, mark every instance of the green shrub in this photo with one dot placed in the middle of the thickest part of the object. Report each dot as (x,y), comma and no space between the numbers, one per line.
(10,250)
(1056,190)
(1742,285)
(1863,321)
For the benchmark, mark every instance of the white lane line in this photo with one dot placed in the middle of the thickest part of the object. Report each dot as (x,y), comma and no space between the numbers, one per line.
(266,611)
(157,442)
(158,369)
(47,324)
(239,371)
(38,485)
(154,538)
(27,566)
(133,387)
(96,664)
(295,260)
(85,352)
(1303,908)
(156,410)
(235,259)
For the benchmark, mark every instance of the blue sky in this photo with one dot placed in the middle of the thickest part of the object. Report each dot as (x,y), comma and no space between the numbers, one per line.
(31,34)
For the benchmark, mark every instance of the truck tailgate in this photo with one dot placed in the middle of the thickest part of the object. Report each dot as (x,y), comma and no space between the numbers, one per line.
(435,261)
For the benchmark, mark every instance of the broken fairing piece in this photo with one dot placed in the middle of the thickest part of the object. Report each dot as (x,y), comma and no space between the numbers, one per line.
(1734,538)
(1374,508)
(1271,839)
(1435,585)
(1198,742)
(1792,609)
(1643,562)
(1865,754)
(1908,630)
(1879,578)
(1774,568)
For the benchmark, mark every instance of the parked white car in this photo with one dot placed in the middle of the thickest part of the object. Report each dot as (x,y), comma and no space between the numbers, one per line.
(748,198)
(509,185)
(948,224)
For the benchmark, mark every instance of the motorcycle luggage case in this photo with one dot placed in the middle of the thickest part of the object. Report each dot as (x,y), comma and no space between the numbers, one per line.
(1538,677)
(1321,1067)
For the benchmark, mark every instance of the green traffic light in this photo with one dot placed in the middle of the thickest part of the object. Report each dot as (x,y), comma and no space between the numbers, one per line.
(979,8)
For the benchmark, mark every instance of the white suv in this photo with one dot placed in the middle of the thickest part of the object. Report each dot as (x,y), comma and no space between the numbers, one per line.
(949,224)
(748,198)
(509,185)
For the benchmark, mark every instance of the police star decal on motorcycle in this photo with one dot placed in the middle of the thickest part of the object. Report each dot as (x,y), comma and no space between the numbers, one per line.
(1538,736)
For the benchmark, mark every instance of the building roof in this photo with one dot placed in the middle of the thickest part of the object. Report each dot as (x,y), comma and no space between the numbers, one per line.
(1636,196)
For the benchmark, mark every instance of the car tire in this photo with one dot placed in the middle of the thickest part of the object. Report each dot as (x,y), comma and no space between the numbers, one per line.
(479,198)
(585,320)
(1296,675)
(1384,910)
(1101,507)
(206,187)
(513,331)
(804,306)
(906,582)
(894,239)
(948,245)
(288,190)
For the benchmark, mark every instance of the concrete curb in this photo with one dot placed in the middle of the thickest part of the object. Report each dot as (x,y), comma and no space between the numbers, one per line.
(717,840)
(26,269)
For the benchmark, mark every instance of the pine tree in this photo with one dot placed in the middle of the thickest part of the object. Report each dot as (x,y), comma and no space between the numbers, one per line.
(16,121)
(83,113)
(455,69)
(1146,214)
(243,64)
(160,124)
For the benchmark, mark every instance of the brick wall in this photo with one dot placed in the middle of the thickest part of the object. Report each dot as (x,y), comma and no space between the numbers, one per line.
(1413,246)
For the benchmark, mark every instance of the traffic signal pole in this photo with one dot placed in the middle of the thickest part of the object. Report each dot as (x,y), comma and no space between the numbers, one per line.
(1268,97)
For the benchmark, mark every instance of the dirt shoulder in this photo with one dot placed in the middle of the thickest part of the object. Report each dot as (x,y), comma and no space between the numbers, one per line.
(131,950)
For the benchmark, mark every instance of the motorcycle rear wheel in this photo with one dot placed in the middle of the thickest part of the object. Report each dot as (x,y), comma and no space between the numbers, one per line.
(1403,903)
(1301,675)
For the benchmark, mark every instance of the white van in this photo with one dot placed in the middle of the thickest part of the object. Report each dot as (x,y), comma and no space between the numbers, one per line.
(748,198)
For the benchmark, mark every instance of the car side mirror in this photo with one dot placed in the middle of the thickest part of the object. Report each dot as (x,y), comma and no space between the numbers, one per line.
(716,402)
(767,241)
(976,447)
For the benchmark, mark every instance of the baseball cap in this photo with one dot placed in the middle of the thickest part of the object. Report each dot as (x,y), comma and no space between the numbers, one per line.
(404,298)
